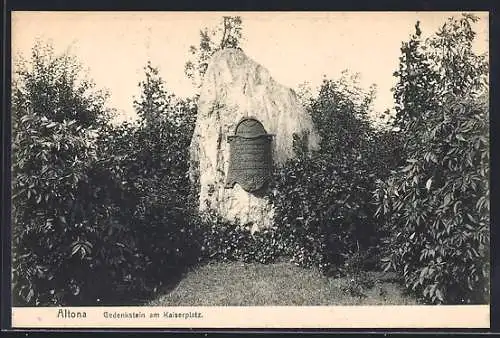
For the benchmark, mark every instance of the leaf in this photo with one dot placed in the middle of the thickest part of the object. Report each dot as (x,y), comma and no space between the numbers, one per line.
(423,272)
(471,218)
(75,249)
(469,227)
(447,200)
(30,295)
(428,184)
(439,295)
(407,168)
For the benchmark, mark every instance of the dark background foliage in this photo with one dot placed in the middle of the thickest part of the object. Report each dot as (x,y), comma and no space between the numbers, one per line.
(333,186)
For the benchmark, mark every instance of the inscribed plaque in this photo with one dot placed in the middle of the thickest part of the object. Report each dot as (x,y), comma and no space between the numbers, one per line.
(250,158)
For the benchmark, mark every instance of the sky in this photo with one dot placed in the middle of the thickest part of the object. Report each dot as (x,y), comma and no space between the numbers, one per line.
(294,46)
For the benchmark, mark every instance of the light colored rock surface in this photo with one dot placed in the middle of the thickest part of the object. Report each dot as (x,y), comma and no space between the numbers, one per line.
(236,87)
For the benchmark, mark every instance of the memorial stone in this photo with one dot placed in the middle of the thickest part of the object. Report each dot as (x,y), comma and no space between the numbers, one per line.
(245,127)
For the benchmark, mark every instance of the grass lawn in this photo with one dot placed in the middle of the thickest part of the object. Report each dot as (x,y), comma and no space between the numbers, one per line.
(240,284)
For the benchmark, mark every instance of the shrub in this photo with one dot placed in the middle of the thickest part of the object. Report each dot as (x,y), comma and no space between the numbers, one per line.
(225,241)
(145,194)
(436,205)
(332,186)
(55,113)
(437,208)
(98,210)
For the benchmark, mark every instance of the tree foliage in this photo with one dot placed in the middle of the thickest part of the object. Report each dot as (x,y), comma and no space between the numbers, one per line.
(56,113)
(227,34)
(436,205)
(157,104)
(154,99)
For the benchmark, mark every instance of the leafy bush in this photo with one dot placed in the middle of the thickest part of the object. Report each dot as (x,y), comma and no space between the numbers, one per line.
(224,241)
(98,210)
(332,186)
(144,203)
(141,181)
(55,114)
(436,206)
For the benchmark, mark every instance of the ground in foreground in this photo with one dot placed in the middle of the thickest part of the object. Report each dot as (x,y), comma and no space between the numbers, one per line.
(245,284)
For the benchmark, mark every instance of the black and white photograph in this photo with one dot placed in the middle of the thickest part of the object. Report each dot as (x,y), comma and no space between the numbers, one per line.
(227,161)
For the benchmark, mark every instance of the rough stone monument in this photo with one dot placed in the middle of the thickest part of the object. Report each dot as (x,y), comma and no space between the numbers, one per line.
(245,126)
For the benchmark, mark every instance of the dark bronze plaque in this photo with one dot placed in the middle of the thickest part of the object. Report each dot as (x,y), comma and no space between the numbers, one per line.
(250,159)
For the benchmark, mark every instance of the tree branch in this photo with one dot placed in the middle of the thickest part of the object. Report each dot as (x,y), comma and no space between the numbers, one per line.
(222,43)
